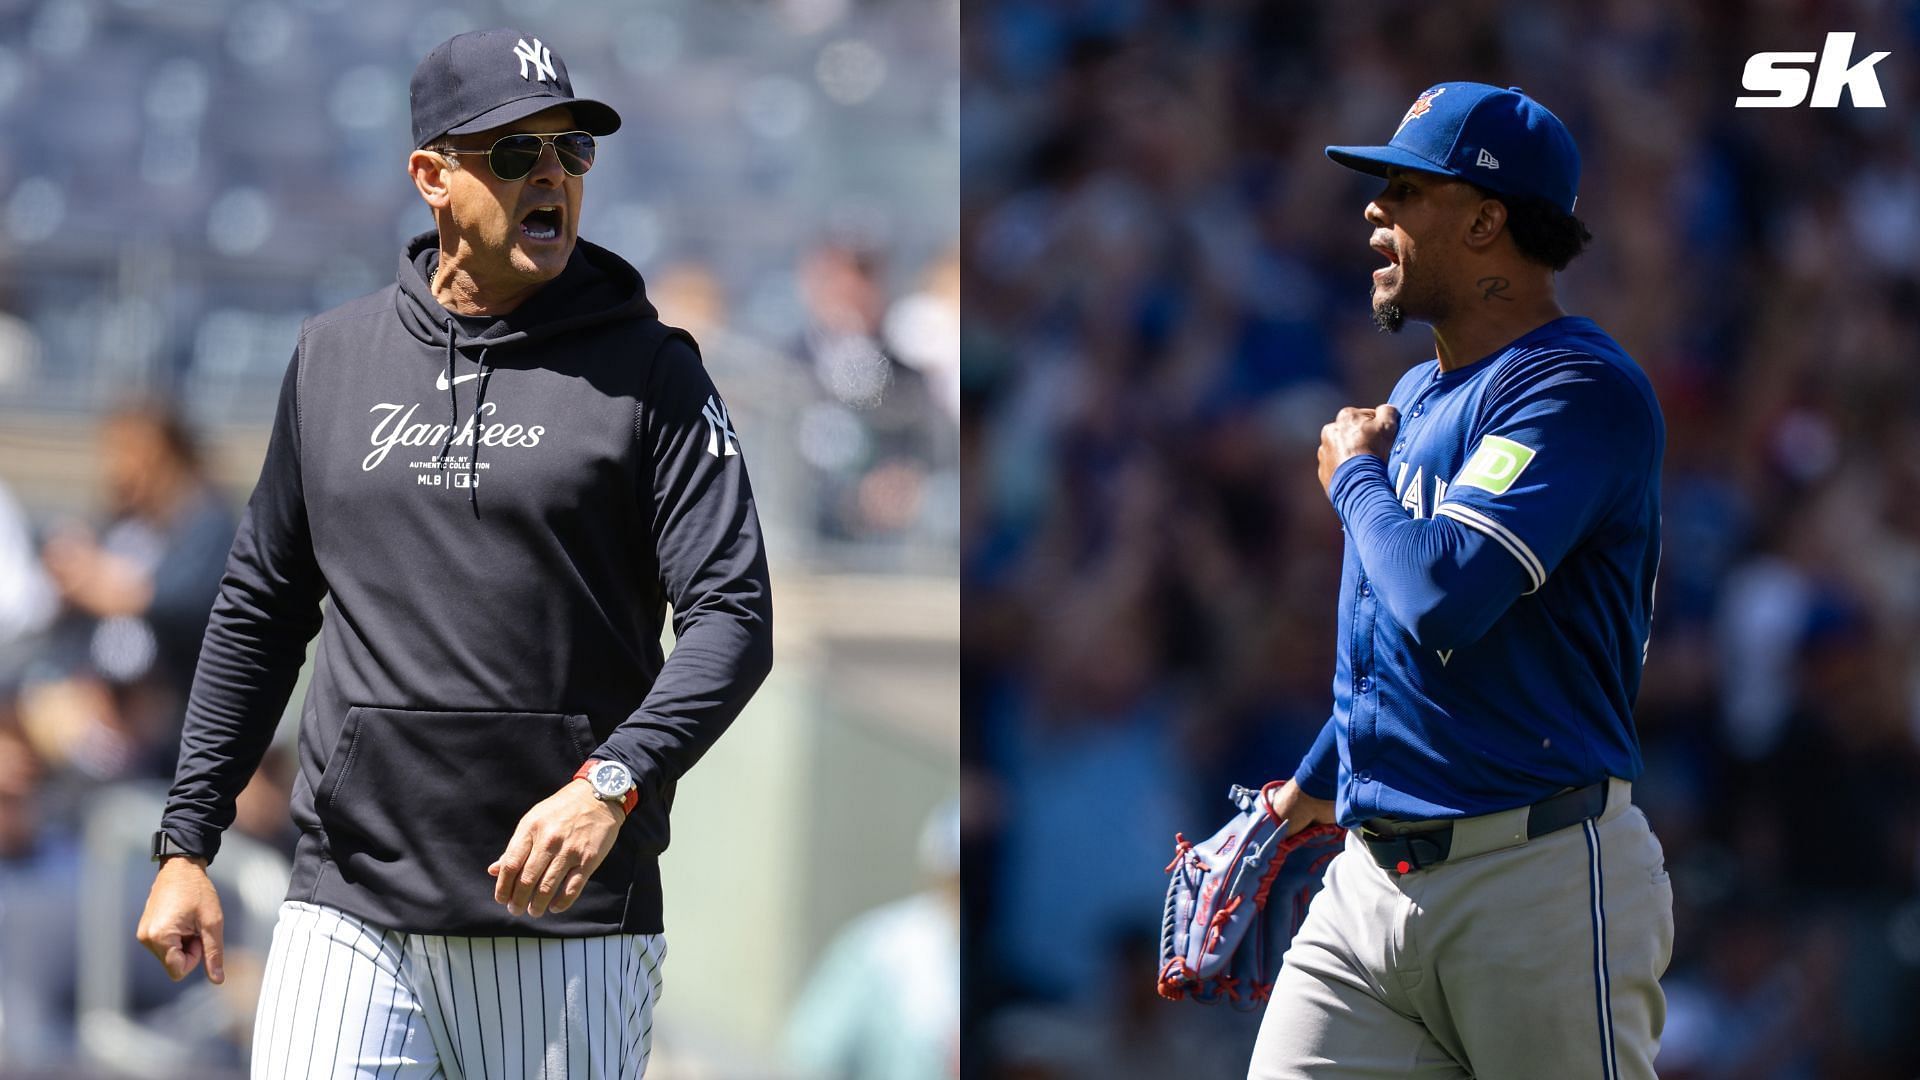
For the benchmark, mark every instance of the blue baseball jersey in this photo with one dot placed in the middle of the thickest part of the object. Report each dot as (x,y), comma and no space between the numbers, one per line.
(1497,584)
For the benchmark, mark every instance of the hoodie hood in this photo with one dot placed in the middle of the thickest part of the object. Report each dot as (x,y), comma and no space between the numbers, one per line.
(596,287)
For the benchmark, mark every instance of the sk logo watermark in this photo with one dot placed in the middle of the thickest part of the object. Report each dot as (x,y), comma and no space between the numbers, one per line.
(1767,72)
(539,56)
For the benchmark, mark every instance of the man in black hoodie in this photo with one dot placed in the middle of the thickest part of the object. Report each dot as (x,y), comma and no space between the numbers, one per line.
(499,471)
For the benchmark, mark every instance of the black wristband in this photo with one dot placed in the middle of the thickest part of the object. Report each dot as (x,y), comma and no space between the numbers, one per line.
(165,848)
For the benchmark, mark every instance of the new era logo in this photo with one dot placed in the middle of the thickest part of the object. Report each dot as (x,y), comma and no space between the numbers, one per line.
(537,55)
(1487,161)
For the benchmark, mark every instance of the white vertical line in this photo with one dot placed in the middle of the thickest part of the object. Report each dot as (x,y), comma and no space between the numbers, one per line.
(1605,990)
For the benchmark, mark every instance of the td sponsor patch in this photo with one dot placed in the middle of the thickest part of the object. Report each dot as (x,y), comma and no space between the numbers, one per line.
(1495,465)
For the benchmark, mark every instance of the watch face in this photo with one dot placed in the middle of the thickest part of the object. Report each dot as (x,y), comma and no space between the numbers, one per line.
(611,779)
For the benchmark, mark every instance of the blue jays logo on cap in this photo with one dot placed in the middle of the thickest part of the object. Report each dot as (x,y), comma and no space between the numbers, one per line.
(1421,106)
(1501,140)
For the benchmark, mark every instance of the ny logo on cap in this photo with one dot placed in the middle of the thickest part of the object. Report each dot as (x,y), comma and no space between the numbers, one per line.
(539,56)
(1420,106)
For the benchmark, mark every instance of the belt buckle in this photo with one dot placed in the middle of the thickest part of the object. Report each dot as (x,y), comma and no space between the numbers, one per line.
(1409,858)
(1407,862)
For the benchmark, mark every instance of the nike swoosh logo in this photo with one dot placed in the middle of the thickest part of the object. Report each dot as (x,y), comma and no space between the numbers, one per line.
(440,381)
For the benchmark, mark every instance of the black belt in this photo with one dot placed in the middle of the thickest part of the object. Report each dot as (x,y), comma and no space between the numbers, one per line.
(1418,851)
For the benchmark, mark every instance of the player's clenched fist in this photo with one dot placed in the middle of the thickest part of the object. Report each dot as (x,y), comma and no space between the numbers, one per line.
(182,923)
(1355,432)
(556,847)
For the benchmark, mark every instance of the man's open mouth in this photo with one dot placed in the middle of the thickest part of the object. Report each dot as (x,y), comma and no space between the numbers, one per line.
(542,223)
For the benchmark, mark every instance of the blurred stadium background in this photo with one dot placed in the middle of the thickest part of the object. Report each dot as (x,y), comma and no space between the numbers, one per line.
(1165,289)
(181,181)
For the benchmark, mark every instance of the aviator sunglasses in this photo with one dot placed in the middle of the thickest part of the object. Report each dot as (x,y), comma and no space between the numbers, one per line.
(512,157)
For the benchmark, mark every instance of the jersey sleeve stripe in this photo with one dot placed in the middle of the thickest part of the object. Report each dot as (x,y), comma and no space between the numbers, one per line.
(1481,523)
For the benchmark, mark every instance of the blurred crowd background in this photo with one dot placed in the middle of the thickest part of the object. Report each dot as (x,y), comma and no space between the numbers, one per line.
(182,181)
(1166,296)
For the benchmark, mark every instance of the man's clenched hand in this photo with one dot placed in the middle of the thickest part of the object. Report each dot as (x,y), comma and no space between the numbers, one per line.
(1299,808)
(183,924)
(1355,432)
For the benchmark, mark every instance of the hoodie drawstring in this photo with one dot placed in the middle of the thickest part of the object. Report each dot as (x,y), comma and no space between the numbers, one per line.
(453,404)
(473,459)
(453,422)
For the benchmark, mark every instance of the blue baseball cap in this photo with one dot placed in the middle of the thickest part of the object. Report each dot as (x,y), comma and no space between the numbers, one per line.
(1502,140)
(486,78)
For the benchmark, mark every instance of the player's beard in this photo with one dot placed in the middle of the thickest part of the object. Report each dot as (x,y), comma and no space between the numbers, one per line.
(1388,315)
(1388,318)
(1399,300)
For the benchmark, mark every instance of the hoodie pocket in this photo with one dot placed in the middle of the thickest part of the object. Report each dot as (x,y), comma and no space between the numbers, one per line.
(417,803)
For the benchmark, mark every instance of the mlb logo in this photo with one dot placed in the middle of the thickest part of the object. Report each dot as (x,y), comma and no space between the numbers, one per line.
(464,479)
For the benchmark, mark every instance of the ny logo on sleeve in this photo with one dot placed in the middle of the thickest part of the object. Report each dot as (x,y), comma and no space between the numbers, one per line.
(719,428)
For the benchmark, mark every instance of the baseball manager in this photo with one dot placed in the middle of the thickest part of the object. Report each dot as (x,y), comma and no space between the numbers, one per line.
(498,472)
(1501,910)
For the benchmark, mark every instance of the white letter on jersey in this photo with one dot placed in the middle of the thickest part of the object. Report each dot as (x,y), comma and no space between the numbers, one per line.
(1412,494)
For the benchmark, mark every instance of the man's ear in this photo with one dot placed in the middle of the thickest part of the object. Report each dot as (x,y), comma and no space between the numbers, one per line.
(430,177)
(1489,217)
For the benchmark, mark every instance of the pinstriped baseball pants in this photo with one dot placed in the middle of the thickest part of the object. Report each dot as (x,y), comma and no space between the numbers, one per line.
(342,998)
(1542,960)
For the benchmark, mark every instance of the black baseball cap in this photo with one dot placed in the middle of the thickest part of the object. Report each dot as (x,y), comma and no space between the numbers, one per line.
(483,79)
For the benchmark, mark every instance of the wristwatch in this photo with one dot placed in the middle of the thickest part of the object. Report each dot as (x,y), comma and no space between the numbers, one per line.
(611,781)
(164,847)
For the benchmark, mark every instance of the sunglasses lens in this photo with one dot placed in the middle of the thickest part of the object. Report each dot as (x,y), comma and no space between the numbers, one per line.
(576,151)
(514,156)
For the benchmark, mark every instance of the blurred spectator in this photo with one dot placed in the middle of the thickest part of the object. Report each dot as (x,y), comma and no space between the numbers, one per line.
(884,1001)
(39,881)
(1164,285)
(874,484)
(137,597)
(923,330)
(26,597)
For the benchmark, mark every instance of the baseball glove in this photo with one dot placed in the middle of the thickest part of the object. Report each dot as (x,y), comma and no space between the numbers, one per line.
(1234,903)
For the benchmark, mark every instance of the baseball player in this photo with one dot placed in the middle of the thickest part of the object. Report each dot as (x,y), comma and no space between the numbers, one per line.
(1501,909)
(497,472)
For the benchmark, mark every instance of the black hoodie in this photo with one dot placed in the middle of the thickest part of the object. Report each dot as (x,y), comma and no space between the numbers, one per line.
(495,614)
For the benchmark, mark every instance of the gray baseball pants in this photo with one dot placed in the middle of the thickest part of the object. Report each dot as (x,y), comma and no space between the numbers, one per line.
(1538,959)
